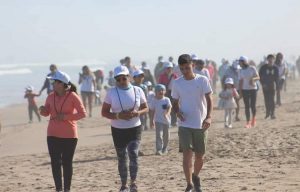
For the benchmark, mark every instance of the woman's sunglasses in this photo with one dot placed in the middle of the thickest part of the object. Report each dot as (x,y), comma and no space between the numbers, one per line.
(52,81)
(119,79)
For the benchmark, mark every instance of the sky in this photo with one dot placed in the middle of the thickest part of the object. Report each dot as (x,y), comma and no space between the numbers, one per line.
(53,31)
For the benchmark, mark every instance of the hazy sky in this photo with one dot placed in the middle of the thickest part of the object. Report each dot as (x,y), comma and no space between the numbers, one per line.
(86,30)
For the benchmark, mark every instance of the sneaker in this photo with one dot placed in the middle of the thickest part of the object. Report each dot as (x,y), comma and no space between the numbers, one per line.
(141,153)
(248,125)
(158,153)
(267,116)
(230,126)
(226,126)
(189,188)
(273,117)
(165,151)
(124,189)
(253,122)
(133,187)
(196,182)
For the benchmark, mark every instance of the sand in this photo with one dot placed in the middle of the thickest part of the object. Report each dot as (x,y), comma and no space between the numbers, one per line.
(264,158)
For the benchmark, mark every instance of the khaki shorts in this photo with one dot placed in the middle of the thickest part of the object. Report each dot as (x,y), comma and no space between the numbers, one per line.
(194,139)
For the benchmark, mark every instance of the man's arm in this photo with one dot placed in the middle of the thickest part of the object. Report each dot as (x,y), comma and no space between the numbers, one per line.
(207,121)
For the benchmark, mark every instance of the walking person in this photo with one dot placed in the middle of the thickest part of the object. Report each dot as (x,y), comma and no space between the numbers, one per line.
(233,72)
(87,89)
(47,85)
(167,78)
(32,106)
(62,134)
(192,103)
(160,109)
(248,85)
(269,81)
(282,72)
(123,105)
(227,96)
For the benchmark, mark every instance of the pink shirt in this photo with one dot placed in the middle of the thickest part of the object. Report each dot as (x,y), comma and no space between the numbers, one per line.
(71,106)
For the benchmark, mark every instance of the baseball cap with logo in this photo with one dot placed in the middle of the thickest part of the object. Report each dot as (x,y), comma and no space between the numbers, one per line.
(229,81)
(121,70)
(61,76)
(137,73)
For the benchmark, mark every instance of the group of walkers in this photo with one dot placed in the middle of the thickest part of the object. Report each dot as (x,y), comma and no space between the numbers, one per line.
(178,95)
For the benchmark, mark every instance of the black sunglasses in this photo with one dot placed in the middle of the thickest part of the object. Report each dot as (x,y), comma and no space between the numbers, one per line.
(55,81)
(119,79)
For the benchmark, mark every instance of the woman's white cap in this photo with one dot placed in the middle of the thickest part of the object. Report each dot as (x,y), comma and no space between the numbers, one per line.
(137,72)
(121,70)
(229,81)
(168,64)
(61,76)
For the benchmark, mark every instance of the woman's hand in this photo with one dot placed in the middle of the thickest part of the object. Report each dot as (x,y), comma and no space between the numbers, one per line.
(42,109)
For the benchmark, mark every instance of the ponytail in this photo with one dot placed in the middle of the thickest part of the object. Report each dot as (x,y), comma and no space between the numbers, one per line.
(71,87)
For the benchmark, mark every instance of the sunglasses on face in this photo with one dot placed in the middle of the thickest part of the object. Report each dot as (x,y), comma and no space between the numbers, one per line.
(119,79)
(55,81)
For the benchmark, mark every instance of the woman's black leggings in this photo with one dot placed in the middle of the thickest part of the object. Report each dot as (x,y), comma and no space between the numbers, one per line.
(61,151)
(249,97)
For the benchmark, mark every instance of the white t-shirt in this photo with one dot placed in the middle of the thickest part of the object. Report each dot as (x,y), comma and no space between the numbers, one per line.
(192,101)
(281,70)
(125,99)
(87,83)
(246,74)
(160,106)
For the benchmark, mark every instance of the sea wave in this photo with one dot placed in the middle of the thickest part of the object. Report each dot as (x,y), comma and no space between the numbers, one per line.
(15,71)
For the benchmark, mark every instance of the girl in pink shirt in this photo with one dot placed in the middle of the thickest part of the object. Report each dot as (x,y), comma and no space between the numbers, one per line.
(64,107)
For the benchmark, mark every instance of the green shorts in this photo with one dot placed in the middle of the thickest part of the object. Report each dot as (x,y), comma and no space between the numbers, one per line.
(194,139)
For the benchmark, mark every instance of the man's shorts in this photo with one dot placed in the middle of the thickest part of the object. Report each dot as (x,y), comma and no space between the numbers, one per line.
(194,139)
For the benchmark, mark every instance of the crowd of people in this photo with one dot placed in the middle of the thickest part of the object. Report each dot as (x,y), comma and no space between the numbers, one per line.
(177,95)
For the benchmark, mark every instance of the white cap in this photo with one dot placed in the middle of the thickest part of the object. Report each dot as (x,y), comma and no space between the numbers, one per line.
(121,70)
(229,81)
(194,57)
(29,88)
(61,76)
(148,83)
(168,64)
(235,64)
(138,72)
(243,58)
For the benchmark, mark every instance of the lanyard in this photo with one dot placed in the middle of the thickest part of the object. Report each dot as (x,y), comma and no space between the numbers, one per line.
(120,98)
(61,104)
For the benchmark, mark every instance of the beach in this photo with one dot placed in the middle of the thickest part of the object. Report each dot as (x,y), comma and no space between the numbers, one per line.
(264,158)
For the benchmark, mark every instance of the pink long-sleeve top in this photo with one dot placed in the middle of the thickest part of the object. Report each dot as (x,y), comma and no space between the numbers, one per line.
(71,106)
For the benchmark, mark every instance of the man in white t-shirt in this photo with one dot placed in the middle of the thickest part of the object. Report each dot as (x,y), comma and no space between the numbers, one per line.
(192,103)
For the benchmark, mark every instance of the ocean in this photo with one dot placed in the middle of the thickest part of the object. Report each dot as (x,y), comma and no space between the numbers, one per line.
(15,77)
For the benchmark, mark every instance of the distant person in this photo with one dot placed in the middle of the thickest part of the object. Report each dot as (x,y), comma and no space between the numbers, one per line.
(200,68)
(147,73)
(298,65)
(65,108)
(99,79)
(222,69)
(159,68)
(111,80)
(248,89)
(227,96)
(129,65)
(123,105)
(176,69)
(47,85)
(87,83)
(282,70)
(193,105)
(32,106)
(138,78)
(160,108)
(269,81)
(167,78)
(233,72)
(212,73)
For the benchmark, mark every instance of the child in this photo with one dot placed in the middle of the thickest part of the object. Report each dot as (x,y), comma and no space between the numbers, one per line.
(32,106)
(160,109)
(228,102)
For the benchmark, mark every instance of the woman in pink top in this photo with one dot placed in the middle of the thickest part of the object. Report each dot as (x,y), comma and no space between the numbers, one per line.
(64,107)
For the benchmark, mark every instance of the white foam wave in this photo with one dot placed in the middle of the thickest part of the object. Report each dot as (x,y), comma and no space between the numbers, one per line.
(15,71)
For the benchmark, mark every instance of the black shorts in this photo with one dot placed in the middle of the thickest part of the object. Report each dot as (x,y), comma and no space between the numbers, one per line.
(122,137)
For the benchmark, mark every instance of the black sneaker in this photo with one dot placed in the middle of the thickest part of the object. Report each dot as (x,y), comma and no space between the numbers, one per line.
(196,182)
(189,188)
(124,189)
(133,187)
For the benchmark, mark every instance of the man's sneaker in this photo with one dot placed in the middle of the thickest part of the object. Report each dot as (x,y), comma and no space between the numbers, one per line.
(133,187)
(141,153)
(189,188)
(124,189)
(196,182)
(158,153)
